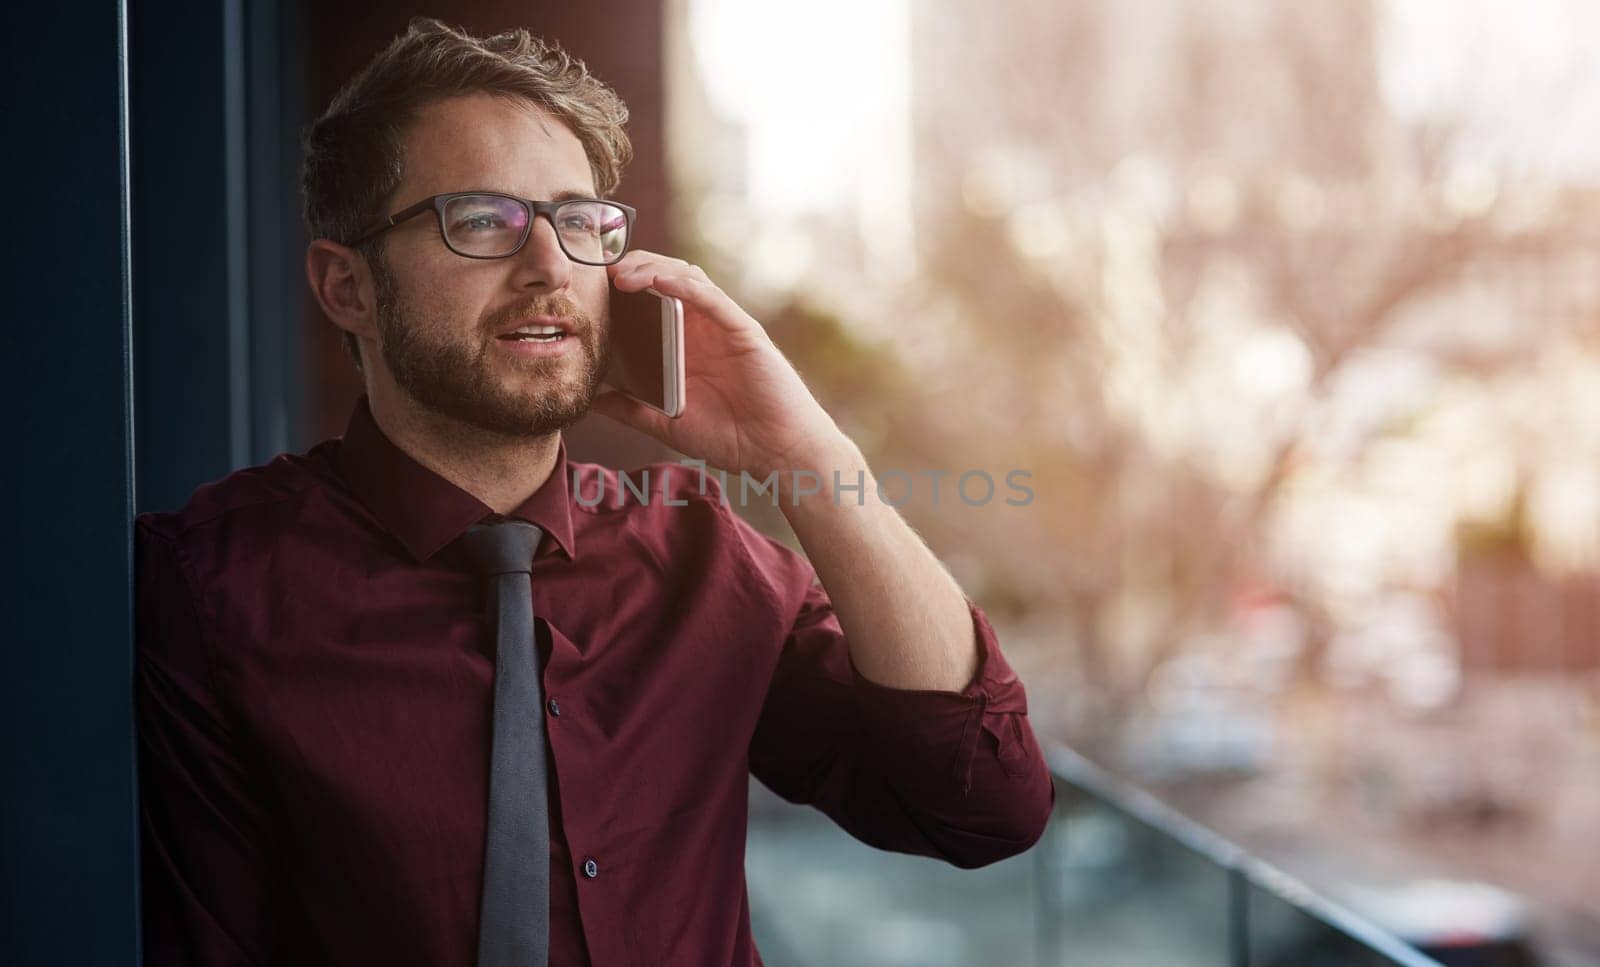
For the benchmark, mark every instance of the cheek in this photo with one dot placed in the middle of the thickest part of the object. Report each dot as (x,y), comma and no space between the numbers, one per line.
(445,300)
(441,316)
(594,297)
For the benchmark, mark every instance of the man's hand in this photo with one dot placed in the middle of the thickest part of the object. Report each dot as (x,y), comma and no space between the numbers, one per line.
(905,617)
(748,409)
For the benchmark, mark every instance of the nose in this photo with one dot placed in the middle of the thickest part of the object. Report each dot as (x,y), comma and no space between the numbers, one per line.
(541,264)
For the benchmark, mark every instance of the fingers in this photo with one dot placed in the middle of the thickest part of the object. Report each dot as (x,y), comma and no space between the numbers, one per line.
(640,270)
(713,304)
(638,263)
(688,288)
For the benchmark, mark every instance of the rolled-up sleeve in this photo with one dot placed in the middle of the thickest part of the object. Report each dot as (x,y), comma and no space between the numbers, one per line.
(204,858)
(954,775)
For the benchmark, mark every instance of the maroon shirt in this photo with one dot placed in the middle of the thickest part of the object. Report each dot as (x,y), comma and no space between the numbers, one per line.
(315,697)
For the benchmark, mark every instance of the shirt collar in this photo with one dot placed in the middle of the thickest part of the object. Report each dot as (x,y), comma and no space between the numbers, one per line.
(426,511)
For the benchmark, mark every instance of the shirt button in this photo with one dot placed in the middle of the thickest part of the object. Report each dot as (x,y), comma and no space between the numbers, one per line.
(554,706)
(591,869)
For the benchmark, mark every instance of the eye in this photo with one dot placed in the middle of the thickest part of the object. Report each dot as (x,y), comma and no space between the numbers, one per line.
(480,221)
(576,222)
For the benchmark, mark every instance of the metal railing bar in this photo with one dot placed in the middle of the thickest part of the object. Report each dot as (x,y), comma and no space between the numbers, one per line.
(1243,869)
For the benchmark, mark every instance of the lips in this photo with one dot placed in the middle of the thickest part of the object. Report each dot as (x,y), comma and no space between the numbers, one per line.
(534,324)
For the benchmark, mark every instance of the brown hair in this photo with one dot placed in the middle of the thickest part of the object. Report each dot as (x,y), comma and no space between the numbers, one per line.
(352,162)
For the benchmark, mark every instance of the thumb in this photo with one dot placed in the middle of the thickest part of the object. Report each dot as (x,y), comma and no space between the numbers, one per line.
(628,411)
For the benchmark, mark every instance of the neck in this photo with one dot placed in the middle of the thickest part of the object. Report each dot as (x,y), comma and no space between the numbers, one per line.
(502,471)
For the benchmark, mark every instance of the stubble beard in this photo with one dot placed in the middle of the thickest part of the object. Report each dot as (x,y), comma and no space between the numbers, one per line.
(458,378)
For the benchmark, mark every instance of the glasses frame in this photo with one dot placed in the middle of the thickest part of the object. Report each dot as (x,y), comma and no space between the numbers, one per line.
(437,203)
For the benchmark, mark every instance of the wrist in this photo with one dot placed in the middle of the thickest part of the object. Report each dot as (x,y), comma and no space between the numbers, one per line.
(830,453)
(824,471)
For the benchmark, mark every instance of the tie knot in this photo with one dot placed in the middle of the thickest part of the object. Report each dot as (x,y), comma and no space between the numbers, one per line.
(503,547)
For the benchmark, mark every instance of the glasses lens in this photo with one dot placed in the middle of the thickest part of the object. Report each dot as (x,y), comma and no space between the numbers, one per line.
(592,231)
(486,226)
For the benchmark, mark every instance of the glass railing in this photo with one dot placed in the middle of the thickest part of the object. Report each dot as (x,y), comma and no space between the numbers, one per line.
(1118,878)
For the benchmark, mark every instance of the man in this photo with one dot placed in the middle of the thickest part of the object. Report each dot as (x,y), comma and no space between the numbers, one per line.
(320,726)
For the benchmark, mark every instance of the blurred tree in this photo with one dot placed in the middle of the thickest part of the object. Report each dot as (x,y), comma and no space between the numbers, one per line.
(1232,211)
(1154,240)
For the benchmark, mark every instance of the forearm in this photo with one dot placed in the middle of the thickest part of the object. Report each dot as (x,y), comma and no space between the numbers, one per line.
(904,615)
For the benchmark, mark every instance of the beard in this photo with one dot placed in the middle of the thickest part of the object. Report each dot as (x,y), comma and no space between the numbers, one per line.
(457,378)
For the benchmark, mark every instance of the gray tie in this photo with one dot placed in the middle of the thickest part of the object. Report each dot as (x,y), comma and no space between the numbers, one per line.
(514,929)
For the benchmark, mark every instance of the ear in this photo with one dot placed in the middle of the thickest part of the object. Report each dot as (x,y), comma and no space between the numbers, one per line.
(342,283)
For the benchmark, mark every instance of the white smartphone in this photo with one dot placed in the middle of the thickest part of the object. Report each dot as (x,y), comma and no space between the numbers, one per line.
(647,349)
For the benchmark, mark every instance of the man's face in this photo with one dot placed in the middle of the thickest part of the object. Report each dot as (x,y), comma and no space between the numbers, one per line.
(440,315)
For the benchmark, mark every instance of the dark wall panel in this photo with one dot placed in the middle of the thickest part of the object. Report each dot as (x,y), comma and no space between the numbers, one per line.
(191,348)
(68,837)
(218,311)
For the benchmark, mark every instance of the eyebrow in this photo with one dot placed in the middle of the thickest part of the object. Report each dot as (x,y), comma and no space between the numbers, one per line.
(565,195)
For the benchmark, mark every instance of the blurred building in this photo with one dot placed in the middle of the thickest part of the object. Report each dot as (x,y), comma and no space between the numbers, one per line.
(1051,98)
(1511,619)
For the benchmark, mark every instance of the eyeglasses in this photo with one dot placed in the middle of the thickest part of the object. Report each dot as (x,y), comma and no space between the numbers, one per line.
(490,225)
